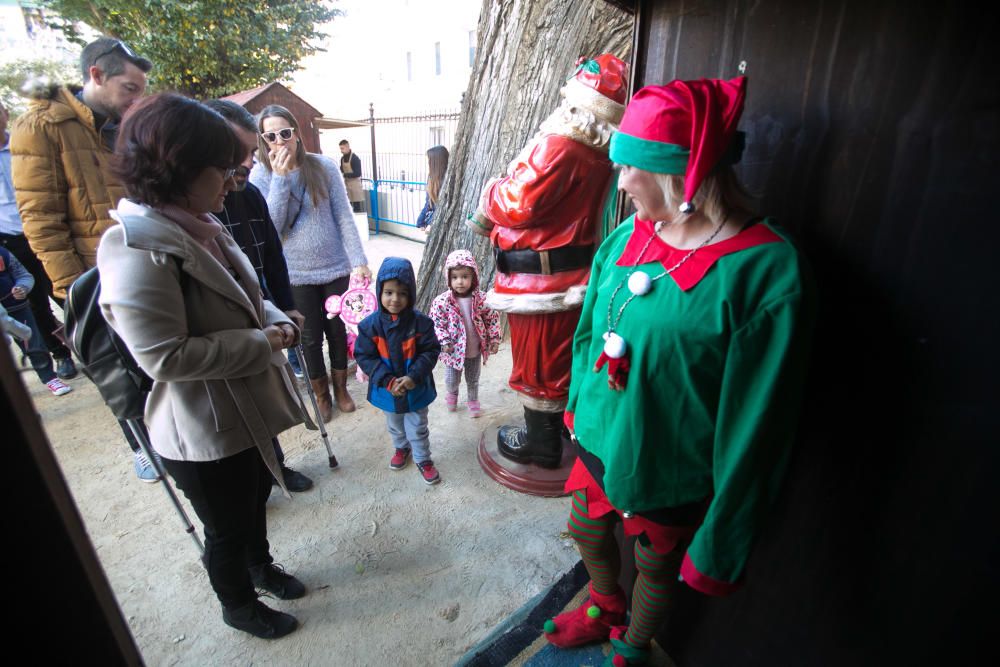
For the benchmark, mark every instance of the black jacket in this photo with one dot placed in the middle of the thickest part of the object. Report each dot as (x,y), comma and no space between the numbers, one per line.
(246,217)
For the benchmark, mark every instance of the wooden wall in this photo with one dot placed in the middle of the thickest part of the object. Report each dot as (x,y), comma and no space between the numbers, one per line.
(873,135)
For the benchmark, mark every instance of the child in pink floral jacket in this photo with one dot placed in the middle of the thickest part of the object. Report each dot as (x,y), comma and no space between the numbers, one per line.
(468,330)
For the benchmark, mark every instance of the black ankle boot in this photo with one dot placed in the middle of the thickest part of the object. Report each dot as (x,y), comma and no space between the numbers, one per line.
(260,620)
(539,442)
(273,579)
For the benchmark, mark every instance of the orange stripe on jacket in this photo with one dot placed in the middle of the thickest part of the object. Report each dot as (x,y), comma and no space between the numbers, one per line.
(383,347)
(410,348)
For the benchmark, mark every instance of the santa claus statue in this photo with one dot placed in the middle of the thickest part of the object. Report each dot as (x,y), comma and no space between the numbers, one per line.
(543,219)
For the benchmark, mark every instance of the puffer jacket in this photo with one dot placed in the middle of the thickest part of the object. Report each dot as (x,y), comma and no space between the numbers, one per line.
(64,187)
(390,347)
(447,315)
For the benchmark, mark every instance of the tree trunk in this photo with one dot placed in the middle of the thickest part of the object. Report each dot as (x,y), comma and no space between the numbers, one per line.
(527,49)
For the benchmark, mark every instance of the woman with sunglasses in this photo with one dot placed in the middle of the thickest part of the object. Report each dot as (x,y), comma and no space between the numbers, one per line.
(308,202)
(186,301)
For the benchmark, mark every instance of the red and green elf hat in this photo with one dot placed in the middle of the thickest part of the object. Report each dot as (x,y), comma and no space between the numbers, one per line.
(684,127)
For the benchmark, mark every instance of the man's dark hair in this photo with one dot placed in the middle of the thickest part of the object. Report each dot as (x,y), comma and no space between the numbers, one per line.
(110,55)
(165,142)
(344,142)
(234,113)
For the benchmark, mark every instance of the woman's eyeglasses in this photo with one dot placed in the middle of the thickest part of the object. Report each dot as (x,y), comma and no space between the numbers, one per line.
(285,133)
(228,173)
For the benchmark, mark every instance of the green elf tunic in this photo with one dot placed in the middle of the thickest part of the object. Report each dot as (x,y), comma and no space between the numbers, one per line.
(718,353)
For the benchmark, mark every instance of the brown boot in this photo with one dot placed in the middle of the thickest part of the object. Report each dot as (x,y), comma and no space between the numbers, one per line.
(321,387)
(344,401)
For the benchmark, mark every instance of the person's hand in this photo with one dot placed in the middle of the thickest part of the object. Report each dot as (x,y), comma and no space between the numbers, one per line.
(290,333)
(297,317)
(448,348)
(275,336)
(19,293)
(362,272)
(399,386)
(494,347)
(282,160)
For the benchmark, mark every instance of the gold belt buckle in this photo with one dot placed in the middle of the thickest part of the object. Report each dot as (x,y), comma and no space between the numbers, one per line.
(543,257)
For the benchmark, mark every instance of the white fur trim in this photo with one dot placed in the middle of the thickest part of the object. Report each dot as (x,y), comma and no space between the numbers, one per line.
(537,304)
(584,96)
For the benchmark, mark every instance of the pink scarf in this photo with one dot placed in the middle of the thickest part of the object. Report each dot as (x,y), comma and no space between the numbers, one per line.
(203,229)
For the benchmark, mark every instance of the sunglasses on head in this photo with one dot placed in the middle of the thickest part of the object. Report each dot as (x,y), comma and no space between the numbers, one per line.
(119,46)
(285,133)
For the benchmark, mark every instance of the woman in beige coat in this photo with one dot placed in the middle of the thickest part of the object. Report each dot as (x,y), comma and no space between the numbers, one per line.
(186,301)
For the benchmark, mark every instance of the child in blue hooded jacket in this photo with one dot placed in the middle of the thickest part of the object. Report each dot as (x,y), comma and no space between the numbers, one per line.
(397,349)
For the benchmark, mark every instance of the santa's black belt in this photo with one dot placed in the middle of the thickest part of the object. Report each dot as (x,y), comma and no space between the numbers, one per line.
(545,262)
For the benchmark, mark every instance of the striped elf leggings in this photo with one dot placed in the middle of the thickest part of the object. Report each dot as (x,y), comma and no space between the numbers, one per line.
(452,378)
(656,573)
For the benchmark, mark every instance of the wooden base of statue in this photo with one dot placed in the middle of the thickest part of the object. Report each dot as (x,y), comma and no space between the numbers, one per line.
(524,478)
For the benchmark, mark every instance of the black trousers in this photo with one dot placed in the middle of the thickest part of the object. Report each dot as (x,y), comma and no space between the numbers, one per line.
(39,295)
(310,299)
(229,496)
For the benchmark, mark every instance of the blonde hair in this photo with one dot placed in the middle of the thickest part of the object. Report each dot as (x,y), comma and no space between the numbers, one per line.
(313,175)
(720,194)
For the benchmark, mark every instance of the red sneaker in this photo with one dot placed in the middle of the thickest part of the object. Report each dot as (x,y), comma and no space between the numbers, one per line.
(429,472)
(399,459)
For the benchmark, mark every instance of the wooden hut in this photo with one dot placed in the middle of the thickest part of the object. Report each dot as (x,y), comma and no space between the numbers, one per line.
(255,99)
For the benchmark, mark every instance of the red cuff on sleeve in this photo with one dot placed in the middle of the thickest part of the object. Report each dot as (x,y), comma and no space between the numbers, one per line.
(568,419)
(704,583)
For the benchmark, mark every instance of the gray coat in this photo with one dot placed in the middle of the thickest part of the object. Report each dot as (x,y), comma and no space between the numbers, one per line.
(218,389)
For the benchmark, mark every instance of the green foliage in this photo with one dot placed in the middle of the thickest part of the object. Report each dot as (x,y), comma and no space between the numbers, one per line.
(13,75)
(204,48)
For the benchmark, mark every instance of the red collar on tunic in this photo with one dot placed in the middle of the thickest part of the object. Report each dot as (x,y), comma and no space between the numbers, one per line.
(690,273)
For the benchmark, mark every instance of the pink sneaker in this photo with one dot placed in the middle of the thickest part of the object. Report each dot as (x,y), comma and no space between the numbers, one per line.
(58,387)
(451,400)
(474,409)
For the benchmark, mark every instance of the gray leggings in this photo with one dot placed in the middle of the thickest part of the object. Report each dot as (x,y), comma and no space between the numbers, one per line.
(452,378)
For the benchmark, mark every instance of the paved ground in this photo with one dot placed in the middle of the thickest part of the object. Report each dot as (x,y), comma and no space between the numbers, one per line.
(399,573)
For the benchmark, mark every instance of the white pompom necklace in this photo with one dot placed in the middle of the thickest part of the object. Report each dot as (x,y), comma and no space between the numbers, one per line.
(615,352)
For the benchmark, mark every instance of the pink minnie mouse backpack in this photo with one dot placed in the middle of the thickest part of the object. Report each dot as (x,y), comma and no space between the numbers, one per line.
(354,305)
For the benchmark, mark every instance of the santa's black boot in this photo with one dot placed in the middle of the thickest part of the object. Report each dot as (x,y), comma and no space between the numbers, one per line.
(538,442)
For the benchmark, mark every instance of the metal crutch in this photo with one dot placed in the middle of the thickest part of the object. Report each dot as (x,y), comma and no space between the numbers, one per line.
(300,353)
(142,437)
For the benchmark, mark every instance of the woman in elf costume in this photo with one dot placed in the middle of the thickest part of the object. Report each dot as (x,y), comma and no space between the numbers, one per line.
(687,369)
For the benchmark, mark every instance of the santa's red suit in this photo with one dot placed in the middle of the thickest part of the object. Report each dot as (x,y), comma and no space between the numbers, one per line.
(545,216)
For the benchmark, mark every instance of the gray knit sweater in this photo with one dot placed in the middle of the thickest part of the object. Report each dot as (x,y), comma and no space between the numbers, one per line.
(321,243)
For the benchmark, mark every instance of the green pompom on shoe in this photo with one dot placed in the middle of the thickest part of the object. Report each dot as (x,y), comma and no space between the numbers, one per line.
(549,626)
(593,611)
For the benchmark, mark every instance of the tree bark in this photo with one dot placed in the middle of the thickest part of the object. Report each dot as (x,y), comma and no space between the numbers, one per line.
(527,49)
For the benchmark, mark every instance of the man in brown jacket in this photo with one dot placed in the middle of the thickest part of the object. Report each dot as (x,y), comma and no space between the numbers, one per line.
(60,149)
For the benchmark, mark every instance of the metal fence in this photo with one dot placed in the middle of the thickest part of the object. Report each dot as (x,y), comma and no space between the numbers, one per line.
(393,152)
(398,202)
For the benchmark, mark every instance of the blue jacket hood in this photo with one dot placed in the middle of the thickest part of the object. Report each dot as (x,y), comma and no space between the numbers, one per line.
(396,268)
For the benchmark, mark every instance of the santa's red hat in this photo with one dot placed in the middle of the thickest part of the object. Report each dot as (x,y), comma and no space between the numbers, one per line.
(600,85)
(684,127)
